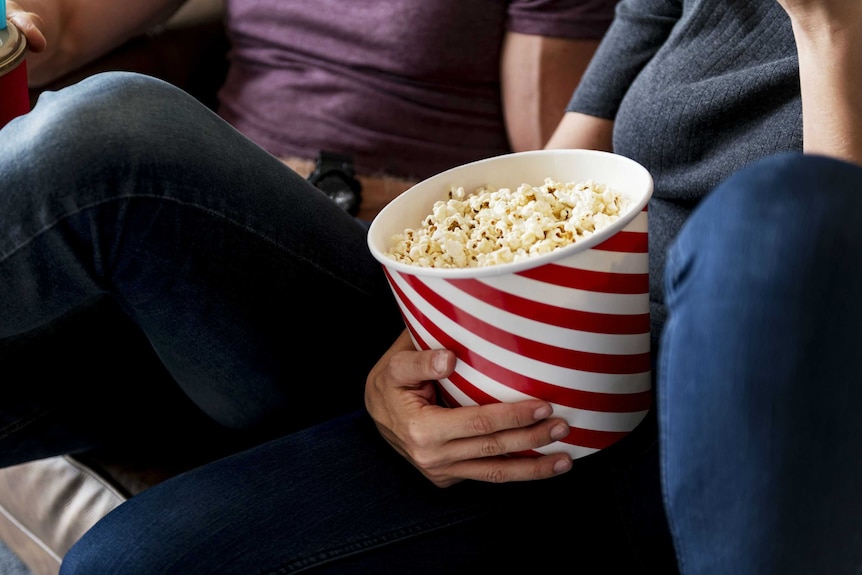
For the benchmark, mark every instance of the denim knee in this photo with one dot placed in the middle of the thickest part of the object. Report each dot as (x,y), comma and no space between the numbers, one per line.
(94,140)
(790,207)
(758,399)
(113,114)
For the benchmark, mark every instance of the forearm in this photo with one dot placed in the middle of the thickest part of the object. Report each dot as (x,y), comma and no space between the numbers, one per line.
(830,60)
(538,76)
(582,131)
(78,31)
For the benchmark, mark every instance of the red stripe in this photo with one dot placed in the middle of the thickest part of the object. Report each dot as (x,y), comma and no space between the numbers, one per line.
(623,241)
(527,453)
(471,390)
(553,315)
(554,355)
(593,437)
(579,436)
(602,282)
(450,400)
(588,400)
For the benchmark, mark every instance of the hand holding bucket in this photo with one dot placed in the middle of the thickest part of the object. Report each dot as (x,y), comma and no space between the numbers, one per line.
(570,326)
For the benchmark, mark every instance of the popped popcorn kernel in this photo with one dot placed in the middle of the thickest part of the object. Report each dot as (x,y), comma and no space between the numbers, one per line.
(490,226)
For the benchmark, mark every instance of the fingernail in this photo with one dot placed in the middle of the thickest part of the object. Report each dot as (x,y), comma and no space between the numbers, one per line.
(440,362)
(562,465)
(559,431)
(542,412)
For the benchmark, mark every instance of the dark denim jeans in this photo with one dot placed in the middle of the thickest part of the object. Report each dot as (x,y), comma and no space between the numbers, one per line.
(122,193)
(760,391)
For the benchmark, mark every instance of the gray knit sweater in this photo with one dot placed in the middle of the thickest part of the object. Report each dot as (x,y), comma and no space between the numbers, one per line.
(698,89)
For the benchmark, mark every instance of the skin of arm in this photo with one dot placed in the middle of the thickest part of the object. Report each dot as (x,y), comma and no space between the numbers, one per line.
(580,131)
(828,37)
(63,35)
(538,75)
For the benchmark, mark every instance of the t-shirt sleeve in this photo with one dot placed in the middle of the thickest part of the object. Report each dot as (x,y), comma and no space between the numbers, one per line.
(574,19)
(639,29)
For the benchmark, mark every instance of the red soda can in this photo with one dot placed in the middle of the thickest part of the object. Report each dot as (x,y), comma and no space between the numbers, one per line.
(14,94)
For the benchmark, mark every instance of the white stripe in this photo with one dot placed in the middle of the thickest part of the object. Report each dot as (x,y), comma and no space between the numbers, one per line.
(608,262)
(564,377)
(583,418)
(576,451)
(550,334)
(628,304)
(640,223)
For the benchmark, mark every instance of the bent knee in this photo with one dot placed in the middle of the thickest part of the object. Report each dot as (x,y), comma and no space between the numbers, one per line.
(104,114)
(789,198)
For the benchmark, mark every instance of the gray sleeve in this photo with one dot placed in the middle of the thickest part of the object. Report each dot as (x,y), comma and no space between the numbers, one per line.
(639,29)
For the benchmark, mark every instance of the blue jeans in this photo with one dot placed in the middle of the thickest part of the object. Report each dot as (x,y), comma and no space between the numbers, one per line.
(759,386)
(162,258)
(137,225)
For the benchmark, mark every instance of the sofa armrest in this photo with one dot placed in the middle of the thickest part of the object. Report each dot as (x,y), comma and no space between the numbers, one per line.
(46,505)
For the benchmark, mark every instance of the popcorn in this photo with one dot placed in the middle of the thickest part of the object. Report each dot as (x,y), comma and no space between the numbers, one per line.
(490,226)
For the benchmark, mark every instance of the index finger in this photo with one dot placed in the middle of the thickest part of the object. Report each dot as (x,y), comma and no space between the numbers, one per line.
(477,420)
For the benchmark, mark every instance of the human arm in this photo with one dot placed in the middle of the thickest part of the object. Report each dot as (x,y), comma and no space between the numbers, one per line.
(828,37)
(63,35)
(538,75)
(449,445)
(578,130)
(639,29)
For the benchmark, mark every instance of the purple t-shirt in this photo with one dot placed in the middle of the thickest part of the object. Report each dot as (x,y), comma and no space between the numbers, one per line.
(409,87)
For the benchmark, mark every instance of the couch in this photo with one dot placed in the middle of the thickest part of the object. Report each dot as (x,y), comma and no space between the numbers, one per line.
(46,505)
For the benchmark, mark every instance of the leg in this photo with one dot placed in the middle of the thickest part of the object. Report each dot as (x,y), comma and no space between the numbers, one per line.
(759,392)
(336,499)
(123,188)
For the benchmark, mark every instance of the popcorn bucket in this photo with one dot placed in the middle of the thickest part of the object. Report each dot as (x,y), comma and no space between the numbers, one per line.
(570,326)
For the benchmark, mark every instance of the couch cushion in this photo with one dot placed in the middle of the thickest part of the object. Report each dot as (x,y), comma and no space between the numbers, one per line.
(46,505)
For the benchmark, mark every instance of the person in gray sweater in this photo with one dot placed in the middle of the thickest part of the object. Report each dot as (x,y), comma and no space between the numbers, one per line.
(748,115)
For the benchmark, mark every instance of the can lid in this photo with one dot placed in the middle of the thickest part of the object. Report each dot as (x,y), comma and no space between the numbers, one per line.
(13,45)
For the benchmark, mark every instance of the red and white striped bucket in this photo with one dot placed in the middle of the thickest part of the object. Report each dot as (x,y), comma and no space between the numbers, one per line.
(570,326)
